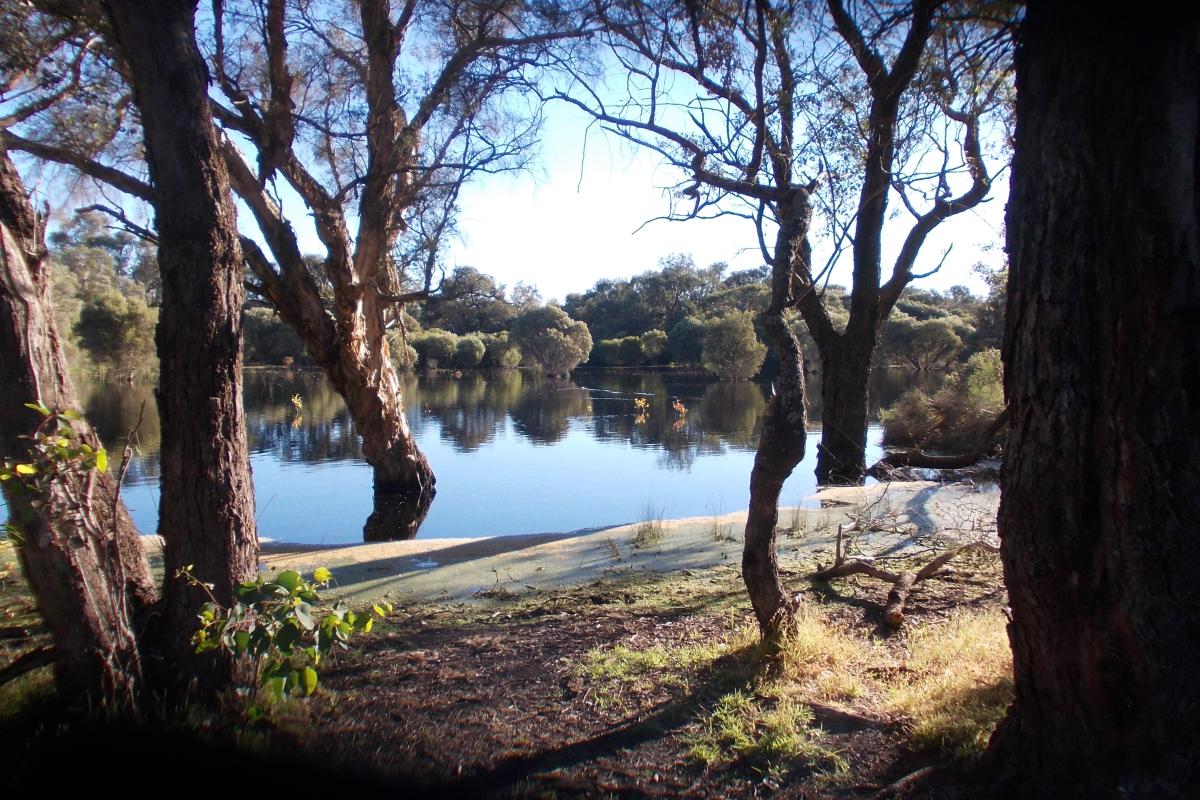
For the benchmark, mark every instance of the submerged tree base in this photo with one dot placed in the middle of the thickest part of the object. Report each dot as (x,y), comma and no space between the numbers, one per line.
(398,513)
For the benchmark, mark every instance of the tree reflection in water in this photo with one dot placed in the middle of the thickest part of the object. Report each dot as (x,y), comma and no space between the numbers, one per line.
(673,421)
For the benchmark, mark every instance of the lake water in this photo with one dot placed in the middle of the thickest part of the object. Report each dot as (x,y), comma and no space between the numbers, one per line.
(512,453)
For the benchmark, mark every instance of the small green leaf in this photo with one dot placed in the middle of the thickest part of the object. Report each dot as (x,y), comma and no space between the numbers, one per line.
(241,641)
(38,407)
(289,579)
(102,460)
(322,575)
(71,415)
(308,680)
(26,469)
(304,616)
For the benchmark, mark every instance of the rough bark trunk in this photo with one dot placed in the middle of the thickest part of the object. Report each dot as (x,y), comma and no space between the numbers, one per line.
(404,481)
(1100,507)
(845,376)
(206,514)
(781,444)
(90,581)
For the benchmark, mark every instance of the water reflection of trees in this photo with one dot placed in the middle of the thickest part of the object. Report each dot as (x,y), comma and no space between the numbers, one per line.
(543,413)
(470,412)
(113,410)
(682,418)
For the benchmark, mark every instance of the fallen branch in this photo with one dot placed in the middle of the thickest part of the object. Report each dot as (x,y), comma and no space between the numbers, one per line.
(916,458)
(902,583)
(28,663)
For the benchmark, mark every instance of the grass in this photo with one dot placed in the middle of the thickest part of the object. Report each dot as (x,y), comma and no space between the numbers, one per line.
(763,732)
(961,683)
(650,531)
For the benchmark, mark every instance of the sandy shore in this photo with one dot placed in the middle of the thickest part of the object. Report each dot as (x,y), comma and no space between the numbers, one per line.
(455,570)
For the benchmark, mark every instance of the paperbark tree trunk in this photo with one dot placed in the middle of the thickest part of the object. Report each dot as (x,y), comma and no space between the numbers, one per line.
(781,444)
(90,581)
(206,514)
(1101,500)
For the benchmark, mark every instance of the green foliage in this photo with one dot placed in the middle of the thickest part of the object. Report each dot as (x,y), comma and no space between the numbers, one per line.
(468,352)
(955,417)
(499,351)
(269,340)
(685,342)
(551,340)
(468,301)
(56,448)
(435,348)
(117,330)
(279,625)
(631,351)
(654,344)
(606,353)
(731,348)
(403,354)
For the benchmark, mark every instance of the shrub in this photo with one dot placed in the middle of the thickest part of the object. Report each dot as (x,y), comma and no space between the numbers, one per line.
(468,352)
(435,348)
(957,416)
(685,343)
(403,354)
(632,351)
(654,344)
(606,353)
(551,340)
(731,348)
(499,351)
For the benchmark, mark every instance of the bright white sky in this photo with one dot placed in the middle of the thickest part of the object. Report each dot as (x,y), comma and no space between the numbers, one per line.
(573,221)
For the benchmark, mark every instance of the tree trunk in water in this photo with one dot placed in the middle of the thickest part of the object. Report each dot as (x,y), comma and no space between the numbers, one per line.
(404,481)
(90,580)
(206,514)
(781,444)
(845,376)
(1101,502)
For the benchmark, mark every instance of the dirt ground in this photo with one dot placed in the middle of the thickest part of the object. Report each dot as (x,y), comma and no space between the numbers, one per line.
(603,687)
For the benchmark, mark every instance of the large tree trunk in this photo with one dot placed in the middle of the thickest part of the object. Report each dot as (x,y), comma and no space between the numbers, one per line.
(404,481)
(88,574)
(845,376)
(1101,500)
(781,444)
(206,514)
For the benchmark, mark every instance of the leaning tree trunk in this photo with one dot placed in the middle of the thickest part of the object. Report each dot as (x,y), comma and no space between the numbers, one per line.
(781,444)
(206,514)
(1101,499)
(79,550)
(404,481)
(845,376)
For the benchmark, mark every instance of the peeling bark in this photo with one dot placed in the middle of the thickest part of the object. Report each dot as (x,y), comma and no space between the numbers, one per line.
(91,582)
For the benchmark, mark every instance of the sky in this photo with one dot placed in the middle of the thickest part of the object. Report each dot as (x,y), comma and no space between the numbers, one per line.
(575,219)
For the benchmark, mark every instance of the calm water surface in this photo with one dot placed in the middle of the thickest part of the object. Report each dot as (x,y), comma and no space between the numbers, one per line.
(512,453)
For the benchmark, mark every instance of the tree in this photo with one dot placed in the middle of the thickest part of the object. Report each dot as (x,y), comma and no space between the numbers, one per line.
(206,508)
(374,116)
(117,331)
(468,301)
(864,103)
(1100,503)
(731,348)
(551,340)
(73,554)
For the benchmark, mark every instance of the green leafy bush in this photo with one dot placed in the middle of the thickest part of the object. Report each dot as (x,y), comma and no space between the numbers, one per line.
(278,623)
(957,416)
(731,348)
(468,352)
